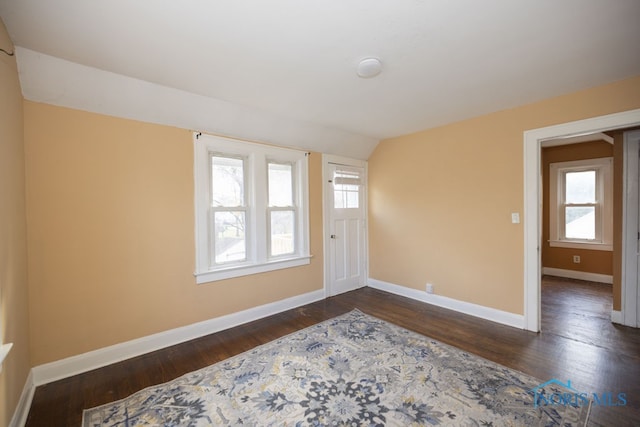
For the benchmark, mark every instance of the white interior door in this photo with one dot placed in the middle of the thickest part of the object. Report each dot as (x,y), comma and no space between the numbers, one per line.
(345,223)
(631,231)
(637,223)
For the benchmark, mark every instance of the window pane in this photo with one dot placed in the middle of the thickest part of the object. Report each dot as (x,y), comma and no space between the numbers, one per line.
(229,237)
(346,196)
(352,198)
(227,181)
(280,184)
(580,222)
(346,189)
(282,235)
(580,187)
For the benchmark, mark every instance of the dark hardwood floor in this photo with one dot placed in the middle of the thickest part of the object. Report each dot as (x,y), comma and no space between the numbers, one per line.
(577,343)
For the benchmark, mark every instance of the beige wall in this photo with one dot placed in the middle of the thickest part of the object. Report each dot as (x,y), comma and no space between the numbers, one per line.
(600,262)
(441,199)
(14,313)
(111,235)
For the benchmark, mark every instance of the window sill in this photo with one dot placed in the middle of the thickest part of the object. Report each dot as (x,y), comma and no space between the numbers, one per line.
(4,350)
(245,270)
(581,245)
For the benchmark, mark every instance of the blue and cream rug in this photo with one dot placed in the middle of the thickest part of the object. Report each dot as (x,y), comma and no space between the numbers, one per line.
(353,370)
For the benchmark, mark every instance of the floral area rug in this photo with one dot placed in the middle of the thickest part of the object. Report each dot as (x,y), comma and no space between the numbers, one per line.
(353,370)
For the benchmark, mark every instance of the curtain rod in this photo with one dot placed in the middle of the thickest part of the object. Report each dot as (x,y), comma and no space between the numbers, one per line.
(8,53)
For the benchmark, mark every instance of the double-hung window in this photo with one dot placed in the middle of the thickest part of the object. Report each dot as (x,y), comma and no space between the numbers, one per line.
(228,209)
(281,209)
(251,208)
(581,204)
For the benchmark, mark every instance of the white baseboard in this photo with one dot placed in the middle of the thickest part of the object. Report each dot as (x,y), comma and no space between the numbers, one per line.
(74,365)
(616,317)
(487,313)
(21,413)
(580,275)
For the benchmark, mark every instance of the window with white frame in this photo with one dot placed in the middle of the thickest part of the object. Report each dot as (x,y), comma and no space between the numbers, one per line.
(581,204)
(281,209)
(251,208)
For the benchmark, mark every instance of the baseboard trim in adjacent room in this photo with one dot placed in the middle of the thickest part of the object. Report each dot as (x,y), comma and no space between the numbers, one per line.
(21,413)
(487,313)
(616,317)
(580,275)
(74,365)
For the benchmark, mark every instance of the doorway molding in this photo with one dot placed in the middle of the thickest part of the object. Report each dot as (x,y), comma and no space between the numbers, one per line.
(533,140)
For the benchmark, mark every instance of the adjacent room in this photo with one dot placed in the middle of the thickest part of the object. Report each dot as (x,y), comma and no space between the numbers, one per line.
(319,213)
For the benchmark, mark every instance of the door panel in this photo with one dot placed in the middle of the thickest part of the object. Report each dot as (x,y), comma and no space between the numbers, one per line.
(354,236)
(637,193)
(340,250)
(631,231)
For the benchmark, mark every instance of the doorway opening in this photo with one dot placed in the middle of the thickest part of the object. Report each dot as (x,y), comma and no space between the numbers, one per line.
(578,189)
(533,141)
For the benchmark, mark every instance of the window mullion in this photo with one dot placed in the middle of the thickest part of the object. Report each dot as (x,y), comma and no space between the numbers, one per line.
(281,208)
(600,204)
(562,221)
(580,205)
(302,203)
(260,195)
(599,221)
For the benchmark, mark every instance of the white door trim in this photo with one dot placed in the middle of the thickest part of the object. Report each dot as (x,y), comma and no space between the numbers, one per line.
(629,289)
(346,161)
(533,140)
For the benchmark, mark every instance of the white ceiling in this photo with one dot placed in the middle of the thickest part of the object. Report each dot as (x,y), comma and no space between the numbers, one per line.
(291,63)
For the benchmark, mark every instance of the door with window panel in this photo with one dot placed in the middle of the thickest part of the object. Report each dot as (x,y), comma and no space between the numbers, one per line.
(347,228)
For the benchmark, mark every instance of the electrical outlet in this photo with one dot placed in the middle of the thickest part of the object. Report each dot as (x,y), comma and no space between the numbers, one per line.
(576,259)
(429,288)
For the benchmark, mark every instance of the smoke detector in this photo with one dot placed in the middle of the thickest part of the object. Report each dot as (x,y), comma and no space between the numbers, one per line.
(369,67)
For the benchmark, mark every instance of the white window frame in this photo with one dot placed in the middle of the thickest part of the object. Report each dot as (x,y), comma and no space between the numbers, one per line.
(604,204)
(4,352)
(257,157)
(4,348)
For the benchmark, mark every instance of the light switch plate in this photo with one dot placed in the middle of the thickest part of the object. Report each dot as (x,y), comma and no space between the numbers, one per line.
(515,218)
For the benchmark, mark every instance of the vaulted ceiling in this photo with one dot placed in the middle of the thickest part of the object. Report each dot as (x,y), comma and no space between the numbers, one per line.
(286,69)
